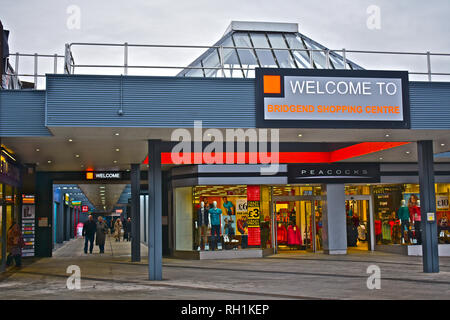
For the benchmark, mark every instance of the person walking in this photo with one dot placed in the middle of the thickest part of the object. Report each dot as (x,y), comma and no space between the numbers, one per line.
(100,235)
(14,245)
(127,230)
(89,229)
(117,229)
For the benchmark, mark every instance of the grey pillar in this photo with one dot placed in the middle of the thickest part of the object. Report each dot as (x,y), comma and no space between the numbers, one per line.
(44,209)
(154,211)
(428,204)
(334,225)
(135,213)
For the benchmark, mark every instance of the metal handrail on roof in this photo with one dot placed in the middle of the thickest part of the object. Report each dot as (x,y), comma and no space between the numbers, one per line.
(70,66)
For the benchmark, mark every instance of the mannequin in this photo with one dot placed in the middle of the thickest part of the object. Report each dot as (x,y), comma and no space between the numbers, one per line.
(202,226)
(214,223)
(403,215)
(415,216)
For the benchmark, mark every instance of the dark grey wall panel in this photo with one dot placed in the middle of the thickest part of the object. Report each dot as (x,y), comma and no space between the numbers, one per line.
(22,113)
(83,100)
(430,105)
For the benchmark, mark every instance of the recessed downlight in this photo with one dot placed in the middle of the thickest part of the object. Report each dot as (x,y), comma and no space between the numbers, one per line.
(37,149)
(117,149)
(70,140)
(408,152)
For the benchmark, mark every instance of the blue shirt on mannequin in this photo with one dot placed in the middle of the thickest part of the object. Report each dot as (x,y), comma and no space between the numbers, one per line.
(215,216)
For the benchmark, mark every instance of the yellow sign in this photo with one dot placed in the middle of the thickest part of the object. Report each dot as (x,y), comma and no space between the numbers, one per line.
(254,213)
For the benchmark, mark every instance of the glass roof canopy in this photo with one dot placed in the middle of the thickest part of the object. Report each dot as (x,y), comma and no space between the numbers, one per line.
(248,45)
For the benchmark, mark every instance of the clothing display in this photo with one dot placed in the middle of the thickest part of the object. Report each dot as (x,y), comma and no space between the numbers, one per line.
(377,227)
(386,231)
(294,237)
(215,216)
(281,234)
(202,217)
(403,213)
(414,213)
(362,235)
(229,207)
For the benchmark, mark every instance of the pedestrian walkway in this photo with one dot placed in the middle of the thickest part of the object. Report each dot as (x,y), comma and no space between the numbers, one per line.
(112,275)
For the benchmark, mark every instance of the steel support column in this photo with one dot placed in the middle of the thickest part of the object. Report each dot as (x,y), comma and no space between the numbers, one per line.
(154,211)
(430,255)
(135,213)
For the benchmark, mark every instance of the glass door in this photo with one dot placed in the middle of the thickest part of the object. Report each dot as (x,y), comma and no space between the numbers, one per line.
(297,224)
(358,212)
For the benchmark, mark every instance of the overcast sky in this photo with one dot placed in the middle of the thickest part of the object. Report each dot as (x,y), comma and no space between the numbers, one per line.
(407,25)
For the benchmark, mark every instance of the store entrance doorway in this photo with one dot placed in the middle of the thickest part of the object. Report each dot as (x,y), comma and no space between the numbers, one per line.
(297,222)
(359,213)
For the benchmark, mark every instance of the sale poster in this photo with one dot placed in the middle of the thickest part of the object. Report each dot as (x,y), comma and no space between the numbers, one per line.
(241,216)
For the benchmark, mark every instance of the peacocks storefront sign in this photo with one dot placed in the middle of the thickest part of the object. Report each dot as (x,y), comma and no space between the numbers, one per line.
(332,98)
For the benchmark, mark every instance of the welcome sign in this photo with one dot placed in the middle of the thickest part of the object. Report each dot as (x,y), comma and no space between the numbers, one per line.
(332,98)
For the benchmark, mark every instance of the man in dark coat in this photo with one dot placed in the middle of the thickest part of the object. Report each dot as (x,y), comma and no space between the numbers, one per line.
(127,230)
(89,229)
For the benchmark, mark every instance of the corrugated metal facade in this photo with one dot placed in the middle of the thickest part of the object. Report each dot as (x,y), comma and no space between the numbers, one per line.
(22,113)
(430,105)
(149,101)
(94,101)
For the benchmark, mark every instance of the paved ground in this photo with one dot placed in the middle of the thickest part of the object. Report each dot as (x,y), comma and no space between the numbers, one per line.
(283,276)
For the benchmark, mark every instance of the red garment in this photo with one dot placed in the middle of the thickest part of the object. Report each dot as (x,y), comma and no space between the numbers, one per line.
(414,213)
(377,227)
(293,236)
(281,234)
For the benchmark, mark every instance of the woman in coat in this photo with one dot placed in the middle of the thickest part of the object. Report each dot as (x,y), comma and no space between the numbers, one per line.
(100,235)
(15,244)
(117,229)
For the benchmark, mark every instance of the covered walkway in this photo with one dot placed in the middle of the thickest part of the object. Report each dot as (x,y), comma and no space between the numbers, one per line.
(283,276)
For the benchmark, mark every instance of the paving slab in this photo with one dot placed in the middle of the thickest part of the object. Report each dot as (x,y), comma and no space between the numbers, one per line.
(296,275)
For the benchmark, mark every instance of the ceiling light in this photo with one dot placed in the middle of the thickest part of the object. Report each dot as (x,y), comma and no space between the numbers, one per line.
(300,135)
(116,133)
(70,140)
(77,155)
(49,161)
(442,144)
(37,150)
(117,149)
(381,158)
(387,135)
(115,161)
(408,152)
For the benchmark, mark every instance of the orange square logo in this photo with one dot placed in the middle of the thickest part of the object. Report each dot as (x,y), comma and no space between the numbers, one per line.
(89,175)
(272,84)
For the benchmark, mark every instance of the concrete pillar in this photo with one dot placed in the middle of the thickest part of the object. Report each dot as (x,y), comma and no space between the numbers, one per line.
(334,225)
(428,204)
(135,213)
(154,211)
